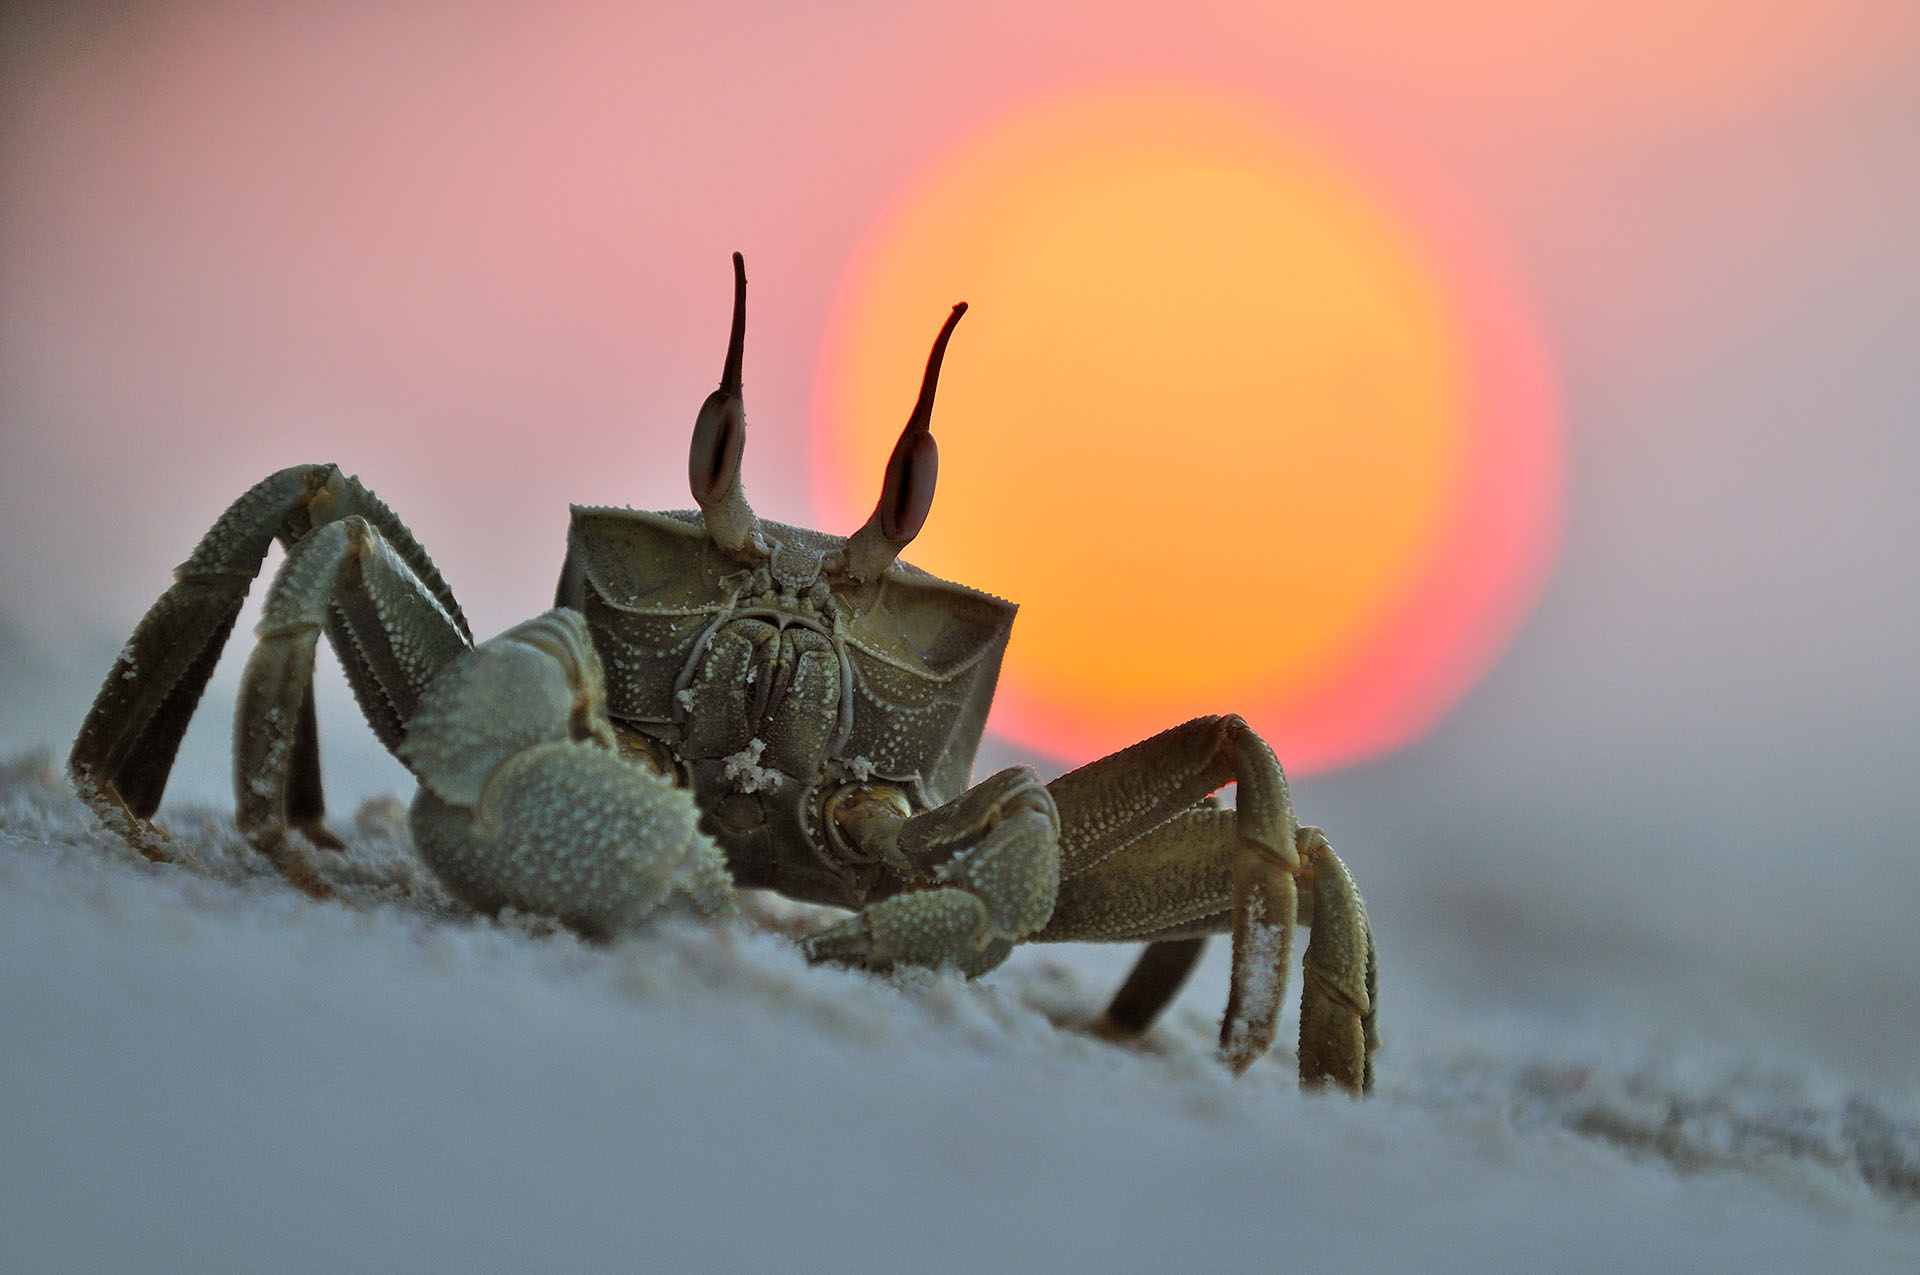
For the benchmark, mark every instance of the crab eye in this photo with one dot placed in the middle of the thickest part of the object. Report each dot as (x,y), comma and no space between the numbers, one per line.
(907,494)
(907,497)
(719,435)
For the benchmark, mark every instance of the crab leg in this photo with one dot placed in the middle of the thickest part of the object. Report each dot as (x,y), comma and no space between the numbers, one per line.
(1172,881)
(1156,979)
(399,632)
(126,746)
(1339,975)
(1141,860)
(1108,803)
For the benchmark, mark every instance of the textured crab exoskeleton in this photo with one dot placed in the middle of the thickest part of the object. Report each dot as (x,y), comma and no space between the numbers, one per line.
(722,701)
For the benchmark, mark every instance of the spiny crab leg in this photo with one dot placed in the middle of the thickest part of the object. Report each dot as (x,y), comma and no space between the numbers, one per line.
(401,636)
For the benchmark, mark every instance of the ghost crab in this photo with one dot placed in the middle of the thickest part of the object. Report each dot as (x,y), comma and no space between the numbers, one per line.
(718,701)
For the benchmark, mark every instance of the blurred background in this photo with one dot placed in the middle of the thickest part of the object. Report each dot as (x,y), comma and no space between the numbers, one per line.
(1595,653)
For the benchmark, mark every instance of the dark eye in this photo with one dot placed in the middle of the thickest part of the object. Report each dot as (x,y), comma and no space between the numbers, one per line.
(908,494)
(719,435)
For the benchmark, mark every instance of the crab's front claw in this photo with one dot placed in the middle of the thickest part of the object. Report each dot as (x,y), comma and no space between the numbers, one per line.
(992,863)
(1340,983)
(925,928)
(526,803)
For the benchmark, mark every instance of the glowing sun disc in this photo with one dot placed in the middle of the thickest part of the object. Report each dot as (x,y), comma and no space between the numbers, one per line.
(1238,433)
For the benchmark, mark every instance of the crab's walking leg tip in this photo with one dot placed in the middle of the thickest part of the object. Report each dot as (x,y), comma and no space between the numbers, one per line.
(318,834)
(1265,907)
(298,869)
(1340,991)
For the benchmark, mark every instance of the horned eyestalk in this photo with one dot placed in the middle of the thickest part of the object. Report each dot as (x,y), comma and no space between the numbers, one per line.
(907,494)
(719,437)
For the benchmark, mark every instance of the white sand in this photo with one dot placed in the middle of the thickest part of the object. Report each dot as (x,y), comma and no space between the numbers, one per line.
(202,1070)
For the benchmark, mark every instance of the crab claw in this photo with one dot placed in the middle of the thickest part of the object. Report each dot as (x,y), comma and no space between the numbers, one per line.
(525,802)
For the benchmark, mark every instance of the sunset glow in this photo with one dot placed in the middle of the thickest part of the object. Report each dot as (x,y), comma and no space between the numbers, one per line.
(1236,432)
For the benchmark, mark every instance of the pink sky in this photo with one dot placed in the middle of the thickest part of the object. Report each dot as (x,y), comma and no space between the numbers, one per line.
(477,253)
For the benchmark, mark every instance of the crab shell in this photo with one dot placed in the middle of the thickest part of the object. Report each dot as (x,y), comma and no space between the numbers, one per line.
(773,687)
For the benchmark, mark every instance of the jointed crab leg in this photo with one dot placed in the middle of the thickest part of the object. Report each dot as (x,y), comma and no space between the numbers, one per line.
(1340,995)
(1125,848)
(127,744)
(399,635)
(1139,859)
(1156,979)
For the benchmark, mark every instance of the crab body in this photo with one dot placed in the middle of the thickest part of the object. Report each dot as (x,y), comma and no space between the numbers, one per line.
(780,694)
(718,701)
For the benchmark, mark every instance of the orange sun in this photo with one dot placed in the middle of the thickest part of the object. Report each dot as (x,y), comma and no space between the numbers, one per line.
(1237,434)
